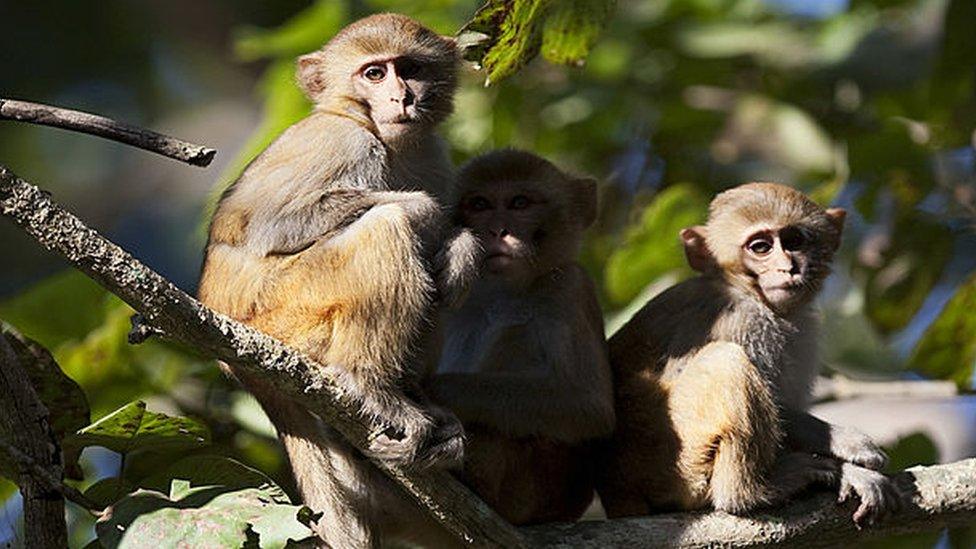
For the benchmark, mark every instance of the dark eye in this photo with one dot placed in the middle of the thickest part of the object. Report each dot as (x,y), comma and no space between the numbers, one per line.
(519,202)
(375,73)
(760,246)
(407,68)
(479,204)
(792,239)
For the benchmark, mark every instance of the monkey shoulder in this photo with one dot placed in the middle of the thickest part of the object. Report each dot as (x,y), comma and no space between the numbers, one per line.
(672,324)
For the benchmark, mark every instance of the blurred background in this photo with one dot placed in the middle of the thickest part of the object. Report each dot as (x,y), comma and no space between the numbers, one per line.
(866,104)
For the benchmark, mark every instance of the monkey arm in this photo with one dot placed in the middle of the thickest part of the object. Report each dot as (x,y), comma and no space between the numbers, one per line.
(456,265)
(808,433)
(334,213)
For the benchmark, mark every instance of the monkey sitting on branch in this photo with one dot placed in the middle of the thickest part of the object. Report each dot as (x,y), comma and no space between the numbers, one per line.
(713,376)
(327,242)
(524,360)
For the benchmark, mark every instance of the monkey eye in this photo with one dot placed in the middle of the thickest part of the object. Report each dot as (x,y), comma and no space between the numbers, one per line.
(479,204)
(519,202)
(407,68)
(792,239)
(760,246)
(375,73)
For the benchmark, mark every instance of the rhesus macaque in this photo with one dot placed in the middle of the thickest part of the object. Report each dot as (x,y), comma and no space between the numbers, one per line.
(713,376)
(327,242)
(524,362)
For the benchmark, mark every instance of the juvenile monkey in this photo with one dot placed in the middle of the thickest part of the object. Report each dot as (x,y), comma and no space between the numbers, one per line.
(326,242)
(713,376)
(524,362)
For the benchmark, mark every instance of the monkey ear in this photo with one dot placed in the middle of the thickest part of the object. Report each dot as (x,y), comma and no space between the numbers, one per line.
(837,217)
(587,201)
(309,74)
(696,249)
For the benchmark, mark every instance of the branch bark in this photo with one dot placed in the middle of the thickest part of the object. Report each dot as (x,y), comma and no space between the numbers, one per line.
(92,124)
(32,454)
(185,319)
(941,496)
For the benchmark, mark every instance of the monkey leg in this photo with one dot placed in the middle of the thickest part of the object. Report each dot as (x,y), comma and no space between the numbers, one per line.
(330,474)
(728,427)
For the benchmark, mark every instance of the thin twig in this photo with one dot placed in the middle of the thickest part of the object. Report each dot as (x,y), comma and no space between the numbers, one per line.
(26,464)
(36,113)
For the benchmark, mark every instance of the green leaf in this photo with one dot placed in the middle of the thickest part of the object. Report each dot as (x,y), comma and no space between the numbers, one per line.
(652,247)
(213,470)
(65,401)
(132,427)
(206,517)
(7,489)
(948,348)
(107,491)
(513,30)
(571,29)
(504,35)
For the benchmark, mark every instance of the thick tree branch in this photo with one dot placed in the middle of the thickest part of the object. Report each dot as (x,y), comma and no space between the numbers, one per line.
(183,318)
(92,124)
(30,453)
(941,496)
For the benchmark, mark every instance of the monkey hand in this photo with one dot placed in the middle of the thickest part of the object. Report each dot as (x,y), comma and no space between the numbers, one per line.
(878,494)
(456,265)
(853,446)
(432,441)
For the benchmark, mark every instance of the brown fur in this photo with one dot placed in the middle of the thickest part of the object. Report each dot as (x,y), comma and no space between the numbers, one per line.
(712,377)
(524,363)
(327,242)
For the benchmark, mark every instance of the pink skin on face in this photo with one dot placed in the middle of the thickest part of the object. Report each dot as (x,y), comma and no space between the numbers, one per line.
(393,88)
(777,258)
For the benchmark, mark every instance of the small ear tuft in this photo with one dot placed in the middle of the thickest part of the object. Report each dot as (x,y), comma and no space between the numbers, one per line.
(837,217)
(587,201)
(309,75)
(696,249)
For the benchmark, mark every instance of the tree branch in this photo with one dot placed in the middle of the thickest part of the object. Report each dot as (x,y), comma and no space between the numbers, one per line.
(941,496)
(36,113)
(32,447)
(185,319)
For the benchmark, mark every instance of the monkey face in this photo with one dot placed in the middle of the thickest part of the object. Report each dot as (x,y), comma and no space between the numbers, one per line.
(768,239)
(508,220)
(400,93)
(780,262)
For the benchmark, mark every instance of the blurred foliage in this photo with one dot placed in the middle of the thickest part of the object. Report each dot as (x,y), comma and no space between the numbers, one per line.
(868,104)
(948,348)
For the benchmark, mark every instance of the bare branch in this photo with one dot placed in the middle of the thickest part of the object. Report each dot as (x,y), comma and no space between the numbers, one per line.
(26,465)
(179,316)
(36,113)
(941,496)
(24,423)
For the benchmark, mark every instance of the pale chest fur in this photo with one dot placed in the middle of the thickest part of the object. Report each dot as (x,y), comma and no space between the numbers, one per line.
(783,348)
(496,331)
